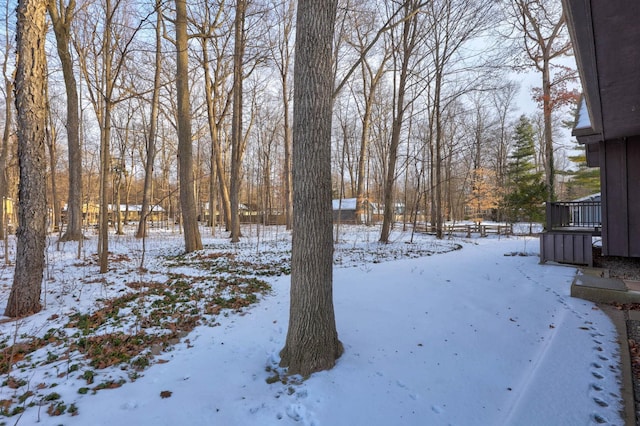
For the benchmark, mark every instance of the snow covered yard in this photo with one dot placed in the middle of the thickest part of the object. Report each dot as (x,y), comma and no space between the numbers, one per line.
(461,331)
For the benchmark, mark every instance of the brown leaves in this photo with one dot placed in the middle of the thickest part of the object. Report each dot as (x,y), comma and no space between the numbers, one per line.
(165,394)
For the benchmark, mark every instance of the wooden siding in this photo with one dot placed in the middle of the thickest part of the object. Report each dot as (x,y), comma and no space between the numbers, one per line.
(566,247)
(620,179)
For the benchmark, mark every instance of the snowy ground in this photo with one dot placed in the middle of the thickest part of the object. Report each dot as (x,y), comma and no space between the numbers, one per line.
(459,332)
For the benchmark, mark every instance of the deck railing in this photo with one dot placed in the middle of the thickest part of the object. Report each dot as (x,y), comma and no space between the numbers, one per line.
(574,214)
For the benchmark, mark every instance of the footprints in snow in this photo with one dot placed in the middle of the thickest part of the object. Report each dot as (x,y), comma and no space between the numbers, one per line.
(596,390)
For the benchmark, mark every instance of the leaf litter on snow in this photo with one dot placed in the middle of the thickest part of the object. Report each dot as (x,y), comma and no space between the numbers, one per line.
(100,331)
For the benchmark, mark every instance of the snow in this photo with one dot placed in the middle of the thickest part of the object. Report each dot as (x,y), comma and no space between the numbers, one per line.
(454,332)
(584,121)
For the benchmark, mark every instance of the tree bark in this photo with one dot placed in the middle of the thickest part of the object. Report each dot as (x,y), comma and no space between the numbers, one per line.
(407,47)
(237,141)
(24,298)
(312,340)
(283,65)
(4,149)
(211,93)
(61,20)
(153,125)
(192,239)
(549,166)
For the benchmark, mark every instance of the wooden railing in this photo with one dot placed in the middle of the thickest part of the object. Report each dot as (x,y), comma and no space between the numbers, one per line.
(574,214)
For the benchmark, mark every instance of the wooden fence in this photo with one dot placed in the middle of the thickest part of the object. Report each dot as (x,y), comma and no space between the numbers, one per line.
(468,229)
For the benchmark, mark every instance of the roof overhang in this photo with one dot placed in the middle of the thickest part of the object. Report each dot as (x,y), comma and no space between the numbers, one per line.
(606,43)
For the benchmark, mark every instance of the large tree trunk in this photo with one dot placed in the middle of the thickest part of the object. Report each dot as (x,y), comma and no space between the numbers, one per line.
(61,20)
(24,298)
(312,340)
(192,240)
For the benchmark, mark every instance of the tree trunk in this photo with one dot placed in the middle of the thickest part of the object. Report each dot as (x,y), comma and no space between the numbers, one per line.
(24,298)
(61,20)
(51,144)
(312,340)
(4,149)
(408,36)
(549,166)
(237,148)
(105,143)
(192,240)
(216,156)
(285,58)
(153,125)
(288,184)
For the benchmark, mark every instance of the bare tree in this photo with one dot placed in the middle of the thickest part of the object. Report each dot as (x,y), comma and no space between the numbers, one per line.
(364,26)
(192,239)
(312,339)
(405,48)
(544,38)
(150,145)
(282,53)
(454,24)
(24,298)
(8,122)
(218,100)
(237,139)
(61,18)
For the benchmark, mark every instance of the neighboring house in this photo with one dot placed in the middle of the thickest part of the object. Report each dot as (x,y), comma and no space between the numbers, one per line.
(606,40)
(344,211)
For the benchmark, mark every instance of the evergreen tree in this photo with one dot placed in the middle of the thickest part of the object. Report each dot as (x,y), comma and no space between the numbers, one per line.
(526,193)
(585,180)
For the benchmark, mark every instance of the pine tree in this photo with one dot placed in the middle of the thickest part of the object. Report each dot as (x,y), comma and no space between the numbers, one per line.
(527,192)
(585,180)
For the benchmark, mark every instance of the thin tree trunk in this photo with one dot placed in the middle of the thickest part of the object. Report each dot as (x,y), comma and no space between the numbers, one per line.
(216,155)
(408,37)
(51,144)
(549,166)
(153,125)
(24,298)
(105,143)
(237,143)
(288,184)
(61,19)
(4,149)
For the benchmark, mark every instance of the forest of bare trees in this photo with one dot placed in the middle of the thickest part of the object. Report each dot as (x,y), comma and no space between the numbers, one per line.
(182,113)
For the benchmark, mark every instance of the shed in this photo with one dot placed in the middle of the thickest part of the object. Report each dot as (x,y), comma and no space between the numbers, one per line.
(344,211)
